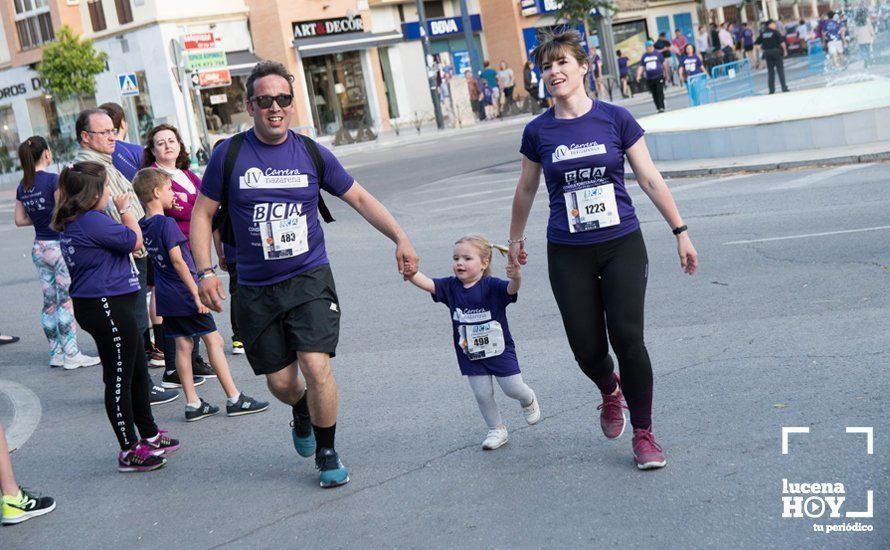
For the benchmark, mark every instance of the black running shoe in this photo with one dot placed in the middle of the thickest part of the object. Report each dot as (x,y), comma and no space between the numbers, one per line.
(201,368)
(171,380)
(331,470)
(245,405)
(24,506)
(203,411)
(159,395)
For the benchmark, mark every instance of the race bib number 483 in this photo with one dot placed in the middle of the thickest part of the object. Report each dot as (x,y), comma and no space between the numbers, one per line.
(283,231)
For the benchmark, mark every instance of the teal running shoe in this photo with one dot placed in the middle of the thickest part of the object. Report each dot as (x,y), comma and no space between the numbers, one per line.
(304,437)
(333,474)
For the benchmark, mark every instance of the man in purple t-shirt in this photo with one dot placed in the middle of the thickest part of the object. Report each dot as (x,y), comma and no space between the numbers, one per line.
(288,312)
(652,64)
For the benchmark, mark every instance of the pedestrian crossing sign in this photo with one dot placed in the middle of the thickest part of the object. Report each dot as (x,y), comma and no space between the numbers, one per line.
(128,84)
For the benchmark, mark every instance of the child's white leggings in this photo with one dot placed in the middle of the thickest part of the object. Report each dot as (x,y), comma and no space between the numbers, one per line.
(512,386)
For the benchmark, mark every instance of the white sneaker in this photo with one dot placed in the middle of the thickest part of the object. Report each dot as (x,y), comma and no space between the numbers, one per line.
(532,412)
(496,438)
(56,360)
(80,360)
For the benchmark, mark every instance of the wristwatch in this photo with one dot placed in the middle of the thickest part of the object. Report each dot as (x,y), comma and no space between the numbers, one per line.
(678,230)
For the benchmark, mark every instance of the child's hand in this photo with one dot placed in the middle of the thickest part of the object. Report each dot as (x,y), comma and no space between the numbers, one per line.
(176,205)
(202,309)
(513,271)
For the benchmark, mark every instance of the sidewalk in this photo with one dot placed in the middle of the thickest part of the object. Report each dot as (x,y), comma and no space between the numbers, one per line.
(875,152)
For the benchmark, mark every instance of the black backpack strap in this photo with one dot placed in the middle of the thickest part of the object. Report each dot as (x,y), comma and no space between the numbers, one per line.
(221,219)
(315,155)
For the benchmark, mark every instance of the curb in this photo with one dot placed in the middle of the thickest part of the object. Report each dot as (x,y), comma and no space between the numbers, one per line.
(883,156)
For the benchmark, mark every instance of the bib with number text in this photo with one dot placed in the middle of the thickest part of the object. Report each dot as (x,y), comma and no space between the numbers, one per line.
(482,341)
(592,208)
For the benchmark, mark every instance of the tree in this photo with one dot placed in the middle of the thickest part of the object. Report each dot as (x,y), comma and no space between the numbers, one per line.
(69,66)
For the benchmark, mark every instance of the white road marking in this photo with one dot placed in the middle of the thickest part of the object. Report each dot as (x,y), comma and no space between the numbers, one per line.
(809,235)
(812,179)
(470,204)
(463,196)
(26,412)
(444,185)
(696,185)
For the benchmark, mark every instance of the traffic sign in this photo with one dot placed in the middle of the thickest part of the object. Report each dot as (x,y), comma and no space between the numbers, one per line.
(128,84)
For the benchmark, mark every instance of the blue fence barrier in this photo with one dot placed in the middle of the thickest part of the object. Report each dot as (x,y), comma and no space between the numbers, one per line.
(699,89)
(727,81)
(815,57)
(732,80)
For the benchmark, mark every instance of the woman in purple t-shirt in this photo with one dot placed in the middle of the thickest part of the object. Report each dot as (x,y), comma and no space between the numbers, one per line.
(35,199)
(596,256)
(105,287)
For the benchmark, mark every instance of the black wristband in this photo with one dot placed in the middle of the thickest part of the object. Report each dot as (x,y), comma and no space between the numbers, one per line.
(678,230)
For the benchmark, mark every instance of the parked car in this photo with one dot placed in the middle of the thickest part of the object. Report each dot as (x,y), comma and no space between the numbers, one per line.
(796,39)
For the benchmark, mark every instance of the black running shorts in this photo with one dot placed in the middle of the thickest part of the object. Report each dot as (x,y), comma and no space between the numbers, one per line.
(299,314)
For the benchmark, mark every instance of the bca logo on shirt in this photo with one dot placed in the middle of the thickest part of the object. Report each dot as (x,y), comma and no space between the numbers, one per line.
(585,174)
(564,152)
(254,178)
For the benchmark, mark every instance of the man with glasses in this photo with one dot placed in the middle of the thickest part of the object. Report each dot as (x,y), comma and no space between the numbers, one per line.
(97,135)
(268,181)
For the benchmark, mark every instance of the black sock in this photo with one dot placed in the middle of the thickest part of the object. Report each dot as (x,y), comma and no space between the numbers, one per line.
(324,437)
(158,331)
(146,339)
(301,407)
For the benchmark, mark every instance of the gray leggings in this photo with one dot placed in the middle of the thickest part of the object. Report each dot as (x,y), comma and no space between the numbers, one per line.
(512,386)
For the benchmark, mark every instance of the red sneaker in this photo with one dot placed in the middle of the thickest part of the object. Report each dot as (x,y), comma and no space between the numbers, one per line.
(647,453)
(612,418)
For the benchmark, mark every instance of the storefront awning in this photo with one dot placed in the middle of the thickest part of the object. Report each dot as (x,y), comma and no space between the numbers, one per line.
(240,63)
(324,45)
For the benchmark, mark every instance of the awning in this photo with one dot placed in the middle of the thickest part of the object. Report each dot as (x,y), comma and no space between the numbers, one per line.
(324,45)
(240,63)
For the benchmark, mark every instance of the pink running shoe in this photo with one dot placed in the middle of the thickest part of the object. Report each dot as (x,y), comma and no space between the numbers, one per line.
(139,459)
(162,445)
(612,418)
(647,453)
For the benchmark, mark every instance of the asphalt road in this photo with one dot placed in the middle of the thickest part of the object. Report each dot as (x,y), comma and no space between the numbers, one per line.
(770,333)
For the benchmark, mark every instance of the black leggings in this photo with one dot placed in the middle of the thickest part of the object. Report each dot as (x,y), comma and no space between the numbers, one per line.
(111,321)
(600,289)
(656,87)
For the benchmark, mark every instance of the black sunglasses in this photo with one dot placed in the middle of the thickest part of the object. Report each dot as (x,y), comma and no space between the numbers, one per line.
(265,101)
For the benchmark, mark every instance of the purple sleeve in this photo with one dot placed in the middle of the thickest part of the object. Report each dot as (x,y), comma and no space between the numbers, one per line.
(108,233)
(529,146)
(441,293)
(337,180)
(211,184)
(171,235)
(499,288)
(629,130)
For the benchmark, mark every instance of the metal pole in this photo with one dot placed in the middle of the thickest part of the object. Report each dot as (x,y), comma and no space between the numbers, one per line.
(176,50)
(475,64)
(607,45)
(431,77)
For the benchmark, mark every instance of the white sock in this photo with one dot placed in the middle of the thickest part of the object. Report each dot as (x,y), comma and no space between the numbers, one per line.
(195,405)
(233,400)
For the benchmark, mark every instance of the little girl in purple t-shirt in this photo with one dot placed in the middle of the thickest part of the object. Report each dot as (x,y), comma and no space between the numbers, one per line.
(482,339)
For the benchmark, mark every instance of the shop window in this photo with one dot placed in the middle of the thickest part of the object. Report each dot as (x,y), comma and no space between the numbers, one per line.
(9,140)
(97,15)
(434,9)
(33,23)
(337,94)
(144,114)
(124,11)
(54,120)
(224,108)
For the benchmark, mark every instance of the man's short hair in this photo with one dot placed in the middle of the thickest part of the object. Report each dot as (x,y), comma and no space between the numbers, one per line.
(146,181)
(268,68)
(82,124)
(115,111)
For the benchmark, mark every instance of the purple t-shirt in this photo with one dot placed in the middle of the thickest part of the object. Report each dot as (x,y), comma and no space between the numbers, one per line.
(127,158)
(653,65)
(97,250)
(39,203)
(622,66)
(748,38)
(160,235)
(273,206)
(583,162)
(481,334)
(692,65)
(831,29)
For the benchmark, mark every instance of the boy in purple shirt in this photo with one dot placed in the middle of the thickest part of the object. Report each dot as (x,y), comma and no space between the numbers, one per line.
(185,317)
